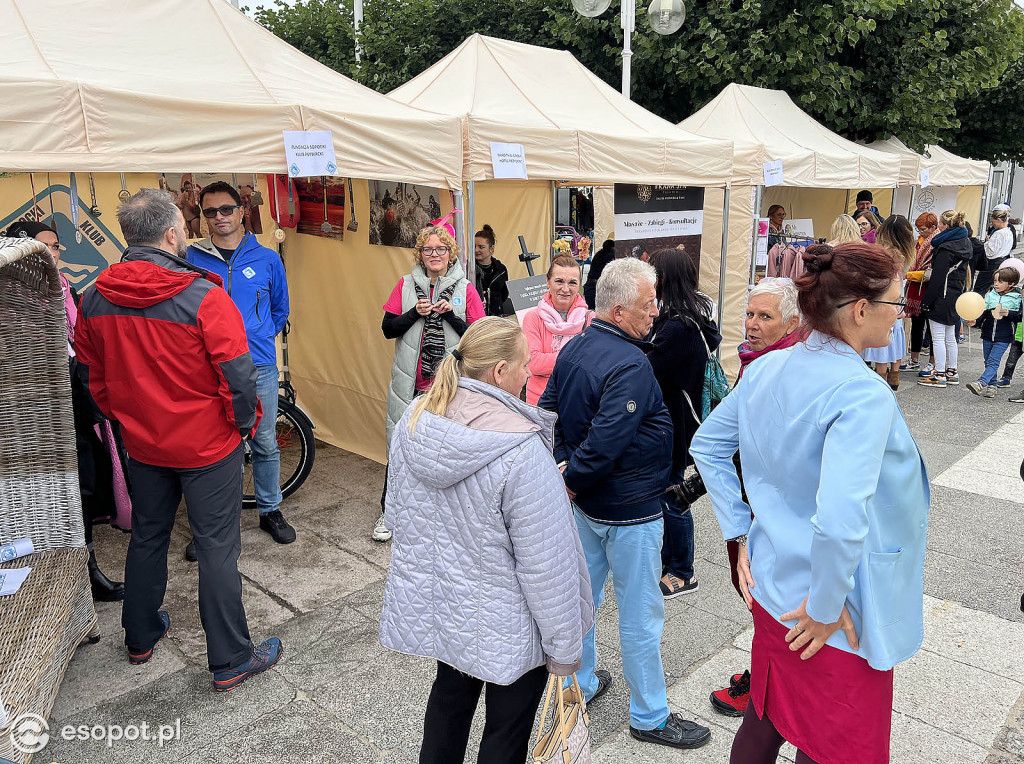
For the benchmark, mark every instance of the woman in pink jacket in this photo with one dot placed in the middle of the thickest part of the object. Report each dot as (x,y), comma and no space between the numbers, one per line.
(561,314)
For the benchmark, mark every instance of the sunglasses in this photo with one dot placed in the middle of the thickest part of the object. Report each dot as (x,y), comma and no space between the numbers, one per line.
(224,211)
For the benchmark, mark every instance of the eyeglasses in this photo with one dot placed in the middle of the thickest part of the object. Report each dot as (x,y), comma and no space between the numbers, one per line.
(433,251)
(225,211)
(900,303)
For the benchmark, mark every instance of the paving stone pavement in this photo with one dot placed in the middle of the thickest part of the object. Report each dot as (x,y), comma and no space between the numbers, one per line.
(337,696)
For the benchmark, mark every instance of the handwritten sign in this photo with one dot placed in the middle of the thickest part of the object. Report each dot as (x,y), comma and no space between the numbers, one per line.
(773,173)
(926,177)
(508,160)
(309,153)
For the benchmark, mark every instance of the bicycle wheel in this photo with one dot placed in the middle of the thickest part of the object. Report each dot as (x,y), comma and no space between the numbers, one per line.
(298,450)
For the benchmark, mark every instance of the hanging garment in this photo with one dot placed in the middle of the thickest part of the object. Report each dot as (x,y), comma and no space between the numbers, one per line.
(774,261)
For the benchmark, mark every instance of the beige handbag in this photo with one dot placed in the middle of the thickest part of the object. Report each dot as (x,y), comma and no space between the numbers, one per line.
(568,740)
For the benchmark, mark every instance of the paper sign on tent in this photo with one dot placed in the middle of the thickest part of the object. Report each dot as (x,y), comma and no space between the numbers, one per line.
(509,160)
(926,177)
(309,153)
(773,173)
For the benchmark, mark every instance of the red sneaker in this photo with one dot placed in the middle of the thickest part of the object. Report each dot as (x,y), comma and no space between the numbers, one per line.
(733,700)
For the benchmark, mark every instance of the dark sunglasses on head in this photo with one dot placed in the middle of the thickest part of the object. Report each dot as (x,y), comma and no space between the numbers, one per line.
(225,210)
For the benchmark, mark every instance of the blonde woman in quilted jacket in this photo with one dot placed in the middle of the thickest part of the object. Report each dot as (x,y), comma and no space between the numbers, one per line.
(487,575)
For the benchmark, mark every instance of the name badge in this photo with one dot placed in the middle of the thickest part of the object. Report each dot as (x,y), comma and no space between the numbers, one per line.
(457,301)
(249,272)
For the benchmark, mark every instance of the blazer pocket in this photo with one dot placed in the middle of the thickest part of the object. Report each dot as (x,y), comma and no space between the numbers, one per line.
(884,577)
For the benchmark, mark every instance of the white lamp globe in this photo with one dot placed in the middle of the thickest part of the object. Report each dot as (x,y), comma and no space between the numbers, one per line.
(591,8)
(666,16)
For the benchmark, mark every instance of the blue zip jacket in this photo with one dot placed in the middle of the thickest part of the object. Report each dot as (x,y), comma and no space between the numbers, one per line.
(1005,329)
(838,490)
(612,428)
(255,279)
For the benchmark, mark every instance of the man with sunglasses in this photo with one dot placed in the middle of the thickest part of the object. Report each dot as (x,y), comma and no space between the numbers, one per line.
(254,277)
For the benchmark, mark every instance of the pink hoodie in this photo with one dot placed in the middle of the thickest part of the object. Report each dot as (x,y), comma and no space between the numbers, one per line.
(546,334)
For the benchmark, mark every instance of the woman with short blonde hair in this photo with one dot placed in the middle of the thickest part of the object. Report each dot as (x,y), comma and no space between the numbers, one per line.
(844,230)
(487,573)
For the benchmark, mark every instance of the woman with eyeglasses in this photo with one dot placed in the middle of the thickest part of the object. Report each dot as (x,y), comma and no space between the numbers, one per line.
(832,563)
(427,313)
(868,223)
(101,481)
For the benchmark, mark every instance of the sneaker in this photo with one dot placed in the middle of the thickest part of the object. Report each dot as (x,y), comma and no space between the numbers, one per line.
(989,392)
(672,586)
(1003,382)
(910,366)
(190,551)
(677,733)
(1017,398)
(952,377)
(733,700)
(275,524)
(604,681)
(381,532)
(263,657)
(975,387)
(138,657)
(933,380)
(961,340)
(927,371)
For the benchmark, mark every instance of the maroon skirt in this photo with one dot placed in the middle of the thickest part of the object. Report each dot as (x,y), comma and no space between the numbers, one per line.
(834,707)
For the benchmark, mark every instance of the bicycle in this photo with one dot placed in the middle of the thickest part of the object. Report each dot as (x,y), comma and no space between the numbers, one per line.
(296,443)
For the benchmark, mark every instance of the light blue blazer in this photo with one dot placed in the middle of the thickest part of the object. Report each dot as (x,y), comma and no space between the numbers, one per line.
(838,489)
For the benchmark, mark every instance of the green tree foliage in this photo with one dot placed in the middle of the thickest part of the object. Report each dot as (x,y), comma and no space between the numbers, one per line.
(992,122)
(864,68)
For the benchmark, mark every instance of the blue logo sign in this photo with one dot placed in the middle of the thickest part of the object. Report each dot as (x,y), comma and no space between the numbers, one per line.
(294,169)
(331,168)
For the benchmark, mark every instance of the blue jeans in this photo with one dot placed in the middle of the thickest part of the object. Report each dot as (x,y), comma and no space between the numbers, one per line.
(632,554)
(993,355)
(677,549)
(266,458)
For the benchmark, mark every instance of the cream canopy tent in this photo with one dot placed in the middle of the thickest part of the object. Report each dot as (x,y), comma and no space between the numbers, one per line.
(945,168)
(191,86)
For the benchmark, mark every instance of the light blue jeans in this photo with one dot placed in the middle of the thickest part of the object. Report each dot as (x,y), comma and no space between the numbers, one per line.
(266,458)
(632,554)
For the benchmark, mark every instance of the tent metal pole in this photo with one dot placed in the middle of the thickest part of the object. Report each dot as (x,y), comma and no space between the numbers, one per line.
(471,228)
(460,229)
(913,198)
(722,264)
(758,200)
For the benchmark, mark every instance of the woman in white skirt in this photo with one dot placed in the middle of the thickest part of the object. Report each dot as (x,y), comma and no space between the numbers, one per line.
(896,236)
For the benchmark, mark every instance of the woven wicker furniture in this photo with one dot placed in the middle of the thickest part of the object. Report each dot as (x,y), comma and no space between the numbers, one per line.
(43,624)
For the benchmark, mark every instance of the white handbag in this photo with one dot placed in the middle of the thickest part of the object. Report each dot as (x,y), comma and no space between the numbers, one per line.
(568,739)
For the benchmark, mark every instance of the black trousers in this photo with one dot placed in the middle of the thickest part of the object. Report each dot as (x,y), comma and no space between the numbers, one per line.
(508,721)
(214,498)
(1016,351)
(918,326)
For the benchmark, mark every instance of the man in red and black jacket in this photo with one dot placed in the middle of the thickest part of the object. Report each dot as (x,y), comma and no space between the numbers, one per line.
(164,352)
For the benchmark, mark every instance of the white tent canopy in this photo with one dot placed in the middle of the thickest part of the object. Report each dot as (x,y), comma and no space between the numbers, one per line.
(945,168)
(111,85)
(766,126)
(573,125)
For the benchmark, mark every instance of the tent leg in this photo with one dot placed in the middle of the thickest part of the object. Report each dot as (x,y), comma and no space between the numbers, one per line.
(722,264)
(913,198)
(471,228)
(758,200)
(460,231)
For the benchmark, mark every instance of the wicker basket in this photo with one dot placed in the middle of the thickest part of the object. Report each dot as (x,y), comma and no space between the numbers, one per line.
(42,624)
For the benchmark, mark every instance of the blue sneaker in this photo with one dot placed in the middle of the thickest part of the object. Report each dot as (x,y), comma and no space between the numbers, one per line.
(926,371)
(138,657)
(263,657)
(1003,382)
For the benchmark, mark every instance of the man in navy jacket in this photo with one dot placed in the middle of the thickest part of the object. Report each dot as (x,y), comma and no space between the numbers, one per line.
(613,442)
(254,278)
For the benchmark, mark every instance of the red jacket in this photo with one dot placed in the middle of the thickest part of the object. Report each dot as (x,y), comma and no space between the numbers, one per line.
(165,354)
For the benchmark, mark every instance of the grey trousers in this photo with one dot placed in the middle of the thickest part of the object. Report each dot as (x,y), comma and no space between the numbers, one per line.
(214,498)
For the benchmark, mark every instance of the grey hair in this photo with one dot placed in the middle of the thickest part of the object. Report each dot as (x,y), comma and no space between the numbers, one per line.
(620,283)
(785,290)
(146,216)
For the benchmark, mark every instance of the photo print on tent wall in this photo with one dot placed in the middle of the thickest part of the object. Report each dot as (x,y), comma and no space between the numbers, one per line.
(321,206)
(650,218)
(399,211)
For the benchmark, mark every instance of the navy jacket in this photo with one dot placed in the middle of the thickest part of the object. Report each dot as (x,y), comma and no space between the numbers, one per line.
(613,427)
(254,278)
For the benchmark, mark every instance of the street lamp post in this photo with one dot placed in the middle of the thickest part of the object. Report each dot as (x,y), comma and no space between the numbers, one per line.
(665,17)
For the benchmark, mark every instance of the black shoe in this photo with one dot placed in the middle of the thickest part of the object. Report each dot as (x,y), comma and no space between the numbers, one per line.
(190,551)
(1017,398)
(677,733)
(138,657)
(604,681)
(275,524)
(103,589)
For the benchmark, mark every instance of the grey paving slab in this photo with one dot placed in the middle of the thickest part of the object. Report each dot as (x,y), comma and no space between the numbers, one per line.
(993,589)
(987,530)
(978,639)
(347,525)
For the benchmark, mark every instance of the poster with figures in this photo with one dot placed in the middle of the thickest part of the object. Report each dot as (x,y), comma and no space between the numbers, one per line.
(649,218)
(399,211)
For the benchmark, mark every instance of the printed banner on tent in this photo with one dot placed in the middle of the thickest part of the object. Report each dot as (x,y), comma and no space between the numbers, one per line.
(649,218)
(309,153)
(82,261)
(761,250)
(399,211)
(527,293)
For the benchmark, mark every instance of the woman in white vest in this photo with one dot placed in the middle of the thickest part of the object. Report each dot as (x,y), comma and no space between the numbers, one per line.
(427,313)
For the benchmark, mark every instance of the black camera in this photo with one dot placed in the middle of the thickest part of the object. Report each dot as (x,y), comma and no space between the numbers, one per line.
(689,490)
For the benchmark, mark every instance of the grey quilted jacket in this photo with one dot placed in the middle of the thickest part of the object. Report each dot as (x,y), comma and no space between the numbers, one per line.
(487,572)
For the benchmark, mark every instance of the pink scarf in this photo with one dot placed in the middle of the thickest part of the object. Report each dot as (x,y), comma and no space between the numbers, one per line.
(747,355)
(577,320)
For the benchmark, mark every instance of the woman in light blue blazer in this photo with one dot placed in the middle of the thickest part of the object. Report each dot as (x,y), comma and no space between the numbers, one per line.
(832,565)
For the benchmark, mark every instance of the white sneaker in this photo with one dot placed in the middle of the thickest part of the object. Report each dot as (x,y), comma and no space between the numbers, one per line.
(381,532)
(926,371)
